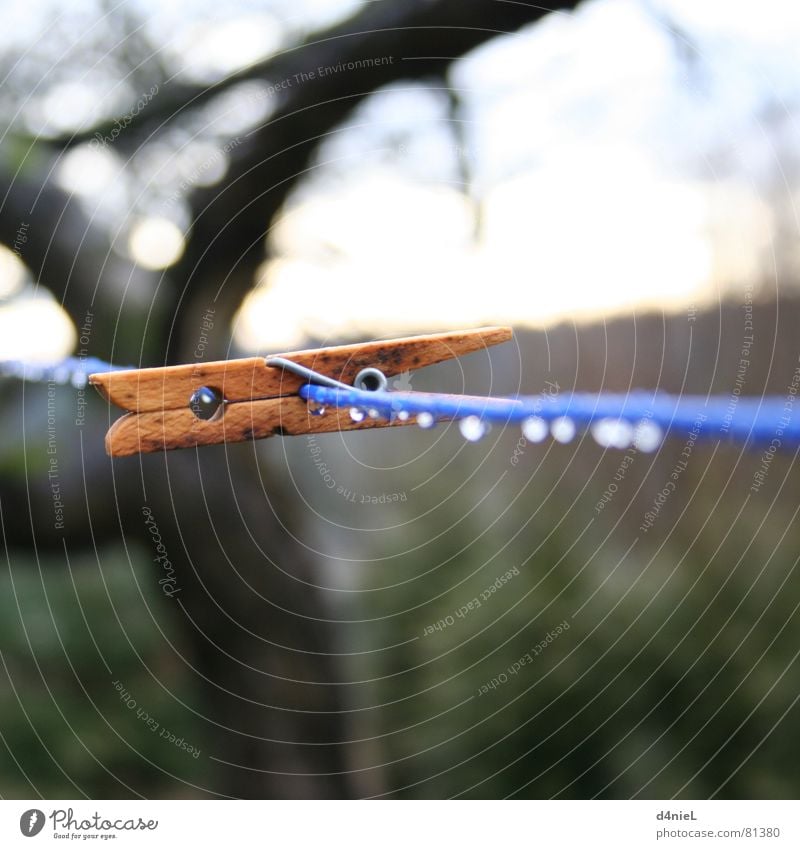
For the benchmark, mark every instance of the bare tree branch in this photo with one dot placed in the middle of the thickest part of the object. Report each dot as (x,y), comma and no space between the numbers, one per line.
(385,43)
(425,34)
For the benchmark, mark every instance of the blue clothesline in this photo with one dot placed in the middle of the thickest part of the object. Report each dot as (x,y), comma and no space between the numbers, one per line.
(616,420)
(73,371)
(639,418)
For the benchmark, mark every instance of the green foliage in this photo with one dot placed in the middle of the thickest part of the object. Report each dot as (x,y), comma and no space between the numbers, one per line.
(676,674)
(69,630)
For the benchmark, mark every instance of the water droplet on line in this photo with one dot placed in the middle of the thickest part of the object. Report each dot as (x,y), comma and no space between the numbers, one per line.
(403,415)
(373,413)
(356,415)
(612,433)
(472,428)
(534,429)
(647,436)
(425,420)
(563,429)
(316,409)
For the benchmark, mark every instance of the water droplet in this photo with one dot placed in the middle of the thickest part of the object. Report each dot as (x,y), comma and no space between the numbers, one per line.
(647,436)
(205,401)
(534,429)
(356,415)
(612,433)
(316,409)
(373,413)
(472,428)
(425,420)
(403,415)
(563,429)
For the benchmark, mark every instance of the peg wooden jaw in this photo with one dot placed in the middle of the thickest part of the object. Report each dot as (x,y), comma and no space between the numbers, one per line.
(173,407)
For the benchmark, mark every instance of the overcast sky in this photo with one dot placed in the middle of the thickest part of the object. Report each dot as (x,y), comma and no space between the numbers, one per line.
(625,156)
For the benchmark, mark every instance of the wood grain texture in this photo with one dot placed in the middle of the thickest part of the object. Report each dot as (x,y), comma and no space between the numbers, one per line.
(165,430)
(158,389)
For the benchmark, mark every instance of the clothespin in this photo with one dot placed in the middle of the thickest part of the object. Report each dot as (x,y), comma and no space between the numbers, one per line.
(256,397)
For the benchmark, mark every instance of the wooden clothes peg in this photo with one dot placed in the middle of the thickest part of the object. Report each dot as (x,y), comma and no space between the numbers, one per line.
(256,397)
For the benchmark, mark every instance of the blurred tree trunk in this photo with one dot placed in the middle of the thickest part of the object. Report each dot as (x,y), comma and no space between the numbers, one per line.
(255,624)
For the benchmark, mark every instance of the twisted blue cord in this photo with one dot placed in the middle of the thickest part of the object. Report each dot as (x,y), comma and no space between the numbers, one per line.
(72,370)
(735,417)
